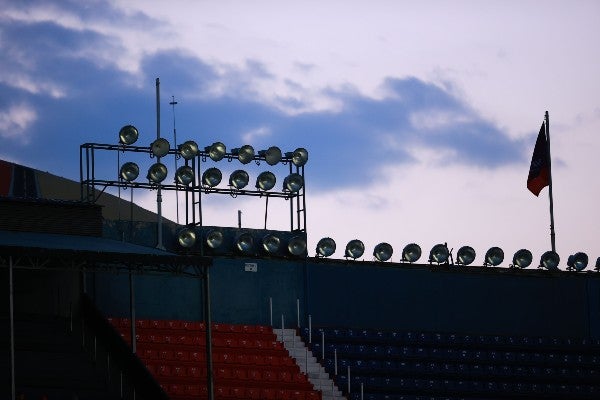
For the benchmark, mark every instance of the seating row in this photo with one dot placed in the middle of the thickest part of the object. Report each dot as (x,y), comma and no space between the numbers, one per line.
(219,373)
(178,325)
(184,392)
(218,356)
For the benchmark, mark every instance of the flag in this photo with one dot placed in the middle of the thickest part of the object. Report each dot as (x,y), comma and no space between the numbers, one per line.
(539,171)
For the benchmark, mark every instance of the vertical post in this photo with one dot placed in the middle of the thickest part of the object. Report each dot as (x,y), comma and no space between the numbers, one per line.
(349,388)
(552,234)
(282,326)
(298,313)
(208,324)
(309,328)
(322,345)
(239,218)
(12,327)
(361,391)
(132,312)
(159,240)
(172,103)
(271,311)
(335,362)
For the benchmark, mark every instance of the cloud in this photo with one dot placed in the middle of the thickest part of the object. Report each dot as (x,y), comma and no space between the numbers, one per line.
(15,122)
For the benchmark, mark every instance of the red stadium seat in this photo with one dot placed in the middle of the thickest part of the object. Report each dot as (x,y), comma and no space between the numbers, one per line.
(156,323)
(268,394)
(166,355)
(148,354)
(221,391)
(239,373)
(178,371)
(163,370)
(141,324)
(178,390)
(312,395)
(193,326)
(253,393)
(254,374)
(173,324)
(182,355)
(198,356)
(237,393)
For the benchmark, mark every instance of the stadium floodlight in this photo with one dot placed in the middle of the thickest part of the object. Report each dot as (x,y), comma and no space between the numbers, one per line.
(128,135)
(299,156)
(411,253)
(244,242)
(184,175)
(239,179)
(160,147)
(383,251)
(271,243)
(245,153)
(272,155)
(188,149)
(157,173)
(494,257)
(216,151)
(522,258)
(439,254)
(293,183)
(214,238)
(465,255)
(325,247)
(550,260)
(354,249)
(212,177)
(297,246)
(129,171)
(597,267)
(186,237)
(577,262)
(266,181)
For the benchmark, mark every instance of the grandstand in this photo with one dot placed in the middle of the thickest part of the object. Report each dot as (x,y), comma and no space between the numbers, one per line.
(93,310)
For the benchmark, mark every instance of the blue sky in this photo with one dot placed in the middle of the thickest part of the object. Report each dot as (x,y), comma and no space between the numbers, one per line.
(419,117)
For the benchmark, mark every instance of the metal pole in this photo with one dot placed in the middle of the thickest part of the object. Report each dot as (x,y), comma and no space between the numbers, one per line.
(12,327)
(335,369)
(207,323)
(298,313)
(159,241)
(349,380)
(322,345)
(282,326)
(132,312)
(309,328)
(361,391)
(552,234)
(239,218)
(266,210)
(271,311)
(172,103)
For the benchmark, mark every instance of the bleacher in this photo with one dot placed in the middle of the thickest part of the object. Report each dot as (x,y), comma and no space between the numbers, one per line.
(393,365)
(248,361)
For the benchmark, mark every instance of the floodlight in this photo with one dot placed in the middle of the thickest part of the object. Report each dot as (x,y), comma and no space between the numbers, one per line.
(383,251)
(494,256)
(354,249)
(128,134)
(325,247)
(188,150)
(297,246)
(550,260)
(129,171)
(244,242)
(465,255)
(411,253)
(216,151)
(212,177)
(157,173)
(522,258)
(272,155)
(160,147)
(239,179)
(577,262)
(184,175)
(271,243)
(186,237)
(439,254)
(266,180)
(214,238)
(245,153)
(597,267)
(299,156)
(293,182)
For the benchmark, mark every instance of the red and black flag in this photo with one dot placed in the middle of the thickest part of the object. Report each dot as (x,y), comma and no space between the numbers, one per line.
(539,171)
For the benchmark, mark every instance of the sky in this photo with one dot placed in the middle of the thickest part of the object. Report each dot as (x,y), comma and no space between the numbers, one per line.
(419,117)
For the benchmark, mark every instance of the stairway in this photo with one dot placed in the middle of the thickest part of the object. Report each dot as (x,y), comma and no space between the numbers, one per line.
(308,363)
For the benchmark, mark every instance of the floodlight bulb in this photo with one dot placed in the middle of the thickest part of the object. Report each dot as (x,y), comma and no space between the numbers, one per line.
(185,175)
(188,149)
(272,155)
(216,151)
(578,261)
(439,254)
(128,135)
(271,243)
(160,147)
(266,181)
(411,253)
(522,258)
(354,249)
(245,153)
(297,246)
(214,238)
(494,256)
(212,177)
(299,156)
(465,255)
(383,252)
(326,247)
(293,183)
(550,260)
(239,179)
(244,242)
(157,173)
(186,237)
(129,171)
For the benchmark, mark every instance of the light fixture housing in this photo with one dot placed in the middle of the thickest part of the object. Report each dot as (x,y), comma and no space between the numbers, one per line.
(239,179)
(216,151)
(494,257)
(577,261)
(188,149)
(465,255)
(522,258)
(383,251)
(214,238)
(297,246)
(212,177)
(299,156)
(271,243)
(597,267)
(550,260)
(129,171)
(244,243)
(160,147)
(245,154)
(186,238)
(157,173)
(128,135)
(439,254)
(325,247)
(293,183)
(354,249)
(266,181)
(272,155)
(184,175)
(411,253)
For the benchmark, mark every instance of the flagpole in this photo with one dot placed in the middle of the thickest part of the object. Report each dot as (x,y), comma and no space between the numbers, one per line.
(552,235)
